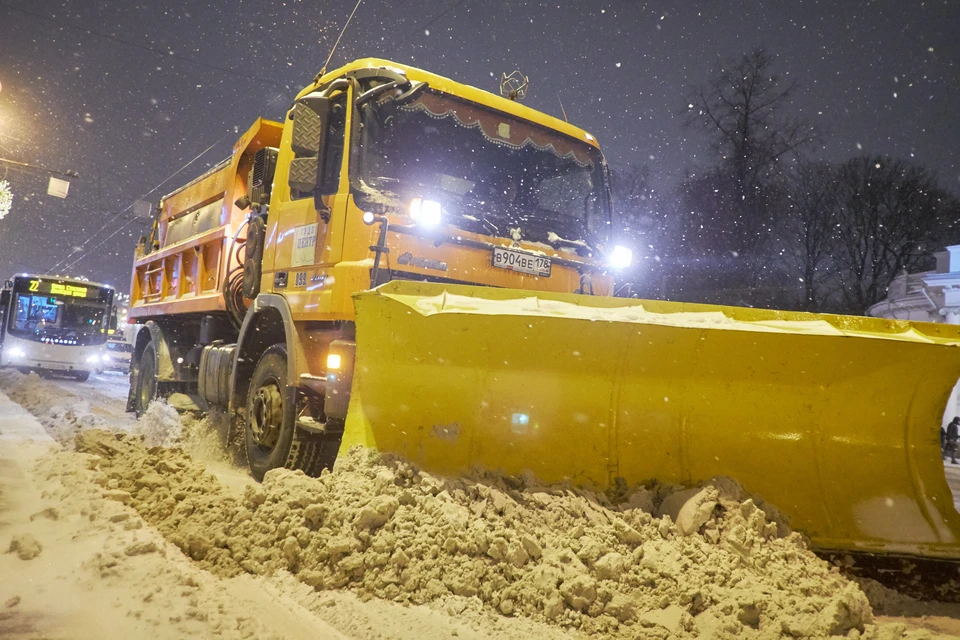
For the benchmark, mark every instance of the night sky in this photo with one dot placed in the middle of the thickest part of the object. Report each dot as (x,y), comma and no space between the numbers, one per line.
(158,82)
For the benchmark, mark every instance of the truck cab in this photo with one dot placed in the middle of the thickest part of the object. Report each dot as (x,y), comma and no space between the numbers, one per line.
(469,187)
(379,172)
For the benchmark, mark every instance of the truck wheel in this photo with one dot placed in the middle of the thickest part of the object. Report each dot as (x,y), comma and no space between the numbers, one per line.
(81,376)
(271,436)
(146,383)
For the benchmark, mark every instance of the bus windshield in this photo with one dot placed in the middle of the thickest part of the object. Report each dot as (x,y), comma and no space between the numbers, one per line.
(36,312)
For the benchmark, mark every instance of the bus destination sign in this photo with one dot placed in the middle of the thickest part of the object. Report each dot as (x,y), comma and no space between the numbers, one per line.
(55,288)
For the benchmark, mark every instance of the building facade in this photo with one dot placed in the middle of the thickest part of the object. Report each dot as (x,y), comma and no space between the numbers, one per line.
(931,296)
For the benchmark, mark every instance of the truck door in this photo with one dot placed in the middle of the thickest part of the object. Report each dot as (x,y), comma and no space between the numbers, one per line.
(307,232)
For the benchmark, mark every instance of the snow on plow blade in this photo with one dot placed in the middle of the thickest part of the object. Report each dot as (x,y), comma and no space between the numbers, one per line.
(834,419)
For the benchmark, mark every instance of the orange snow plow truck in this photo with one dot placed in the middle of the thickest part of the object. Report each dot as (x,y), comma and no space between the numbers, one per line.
(415,265)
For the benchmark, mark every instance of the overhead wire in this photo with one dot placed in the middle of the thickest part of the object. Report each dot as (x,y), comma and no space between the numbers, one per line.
(442,13)
(66,262)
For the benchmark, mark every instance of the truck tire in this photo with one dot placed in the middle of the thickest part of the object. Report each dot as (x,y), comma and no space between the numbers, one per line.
(145,385)
(271,437)
(81,376)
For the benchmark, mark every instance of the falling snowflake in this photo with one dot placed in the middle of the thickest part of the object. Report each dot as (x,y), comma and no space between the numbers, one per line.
(6,198)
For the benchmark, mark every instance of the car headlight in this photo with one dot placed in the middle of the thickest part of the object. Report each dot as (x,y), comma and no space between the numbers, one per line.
(621,257)
(17,352)
(426,213)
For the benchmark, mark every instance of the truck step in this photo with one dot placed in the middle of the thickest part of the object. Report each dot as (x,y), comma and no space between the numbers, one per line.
(310,425)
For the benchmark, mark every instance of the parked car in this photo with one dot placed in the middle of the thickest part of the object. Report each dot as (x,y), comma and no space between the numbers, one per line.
(117,356)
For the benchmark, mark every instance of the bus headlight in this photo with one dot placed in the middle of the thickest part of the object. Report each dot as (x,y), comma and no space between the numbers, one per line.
(94,359)
(426,213)
(621,257)
(17,353)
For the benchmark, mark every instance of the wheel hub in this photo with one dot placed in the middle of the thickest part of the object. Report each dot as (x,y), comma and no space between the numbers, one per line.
(266,420)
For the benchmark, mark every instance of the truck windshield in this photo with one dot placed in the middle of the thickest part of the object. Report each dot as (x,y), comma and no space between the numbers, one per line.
(45,316)
(491,173)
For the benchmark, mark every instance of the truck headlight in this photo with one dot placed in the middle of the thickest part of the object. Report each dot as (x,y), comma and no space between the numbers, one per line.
(621,257)
(426,213)
(333,361)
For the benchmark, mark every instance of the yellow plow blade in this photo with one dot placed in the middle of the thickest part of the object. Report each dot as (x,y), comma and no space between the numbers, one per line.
(834,419)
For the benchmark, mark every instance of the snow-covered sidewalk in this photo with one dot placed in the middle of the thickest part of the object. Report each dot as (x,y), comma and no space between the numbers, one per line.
(83,566)
(16,424)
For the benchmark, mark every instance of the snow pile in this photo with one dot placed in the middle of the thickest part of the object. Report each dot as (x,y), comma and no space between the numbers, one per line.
(380,527)
(25,546)
(160,425)
(205,438)
(211,439)
(94,549)
(62,414)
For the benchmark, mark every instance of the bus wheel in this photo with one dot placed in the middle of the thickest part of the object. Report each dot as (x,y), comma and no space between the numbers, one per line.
(146,382)
(271,436)
(81,376)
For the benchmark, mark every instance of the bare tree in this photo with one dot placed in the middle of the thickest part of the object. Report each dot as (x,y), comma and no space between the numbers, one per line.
(890,216)
(811,227)
(642,217)
(636,202)
(745,108)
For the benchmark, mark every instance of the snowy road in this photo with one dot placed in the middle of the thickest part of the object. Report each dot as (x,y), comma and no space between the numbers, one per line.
(102,387)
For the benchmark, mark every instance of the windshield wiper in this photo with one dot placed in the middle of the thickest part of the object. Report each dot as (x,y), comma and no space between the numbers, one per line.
(412,90)
(556,223)
(485,221)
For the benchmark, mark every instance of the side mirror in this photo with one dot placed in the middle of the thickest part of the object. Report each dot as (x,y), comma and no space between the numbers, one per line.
(311,114)
(113,323)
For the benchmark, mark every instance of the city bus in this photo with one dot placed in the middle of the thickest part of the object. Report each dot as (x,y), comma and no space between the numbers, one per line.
(54,325)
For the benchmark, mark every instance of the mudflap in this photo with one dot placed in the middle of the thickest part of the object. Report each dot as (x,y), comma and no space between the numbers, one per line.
(834,419)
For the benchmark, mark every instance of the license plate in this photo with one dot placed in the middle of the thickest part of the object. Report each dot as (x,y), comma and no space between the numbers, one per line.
(522,262)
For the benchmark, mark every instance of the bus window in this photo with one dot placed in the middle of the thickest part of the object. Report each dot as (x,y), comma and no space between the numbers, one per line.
(35,310)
